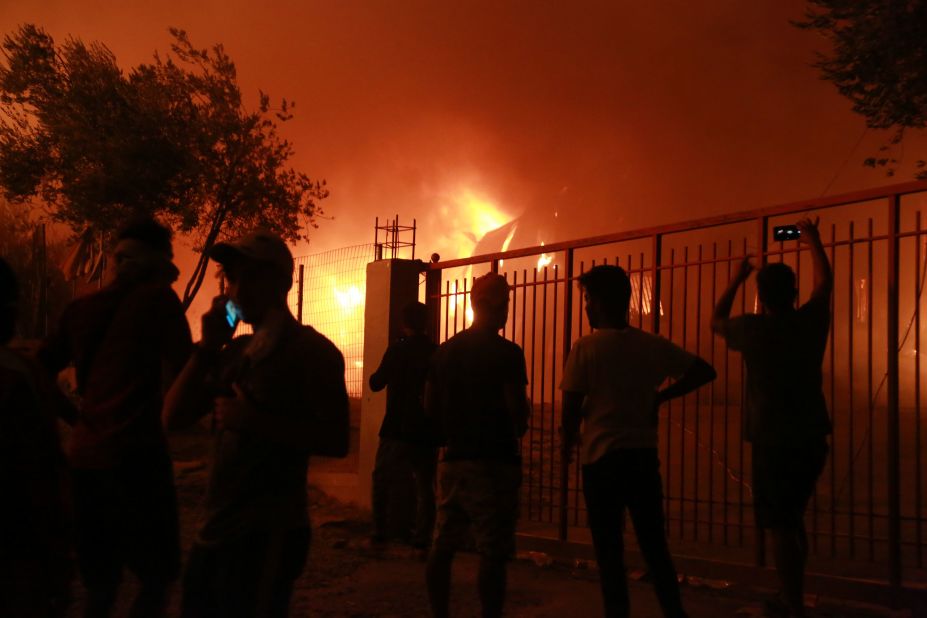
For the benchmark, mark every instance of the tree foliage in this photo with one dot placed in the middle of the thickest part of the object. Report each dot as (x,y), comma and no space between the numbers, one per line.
(171,137)
(878,60)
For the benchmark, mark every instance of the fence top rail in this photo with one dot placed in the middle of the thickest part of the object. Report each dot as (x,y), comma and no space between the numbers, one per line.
(743,216)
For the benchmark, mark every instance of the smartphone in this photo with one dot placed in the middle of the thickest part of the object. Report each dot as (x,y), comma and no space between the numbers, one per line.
(232,314)
(786,232)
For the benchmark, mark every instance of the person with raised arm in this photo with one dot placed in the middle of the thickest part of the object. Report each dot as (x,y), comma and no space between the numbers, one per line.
(785,418)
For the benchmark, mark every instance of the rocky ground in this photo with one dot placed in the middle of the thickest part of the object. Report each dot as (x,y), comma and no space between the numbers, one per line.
(345,577)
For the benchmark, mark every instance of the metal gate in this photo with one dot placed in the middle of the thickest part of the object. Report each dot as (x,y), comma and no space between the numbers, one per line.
(867,517)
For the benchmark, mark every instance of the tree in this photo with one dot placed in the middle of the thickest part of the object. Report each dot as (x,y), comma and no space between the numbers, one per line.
(171,138)
(43,288)
(878,60)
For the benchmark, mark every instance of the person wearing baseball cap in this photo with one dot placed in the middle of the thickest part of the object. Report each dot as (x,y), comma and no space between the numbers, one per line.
(273,395)
(476,394)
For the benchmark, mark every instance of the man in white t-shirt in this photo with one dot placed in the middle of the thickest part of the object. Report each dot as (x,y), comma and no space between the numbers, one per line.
(612,385)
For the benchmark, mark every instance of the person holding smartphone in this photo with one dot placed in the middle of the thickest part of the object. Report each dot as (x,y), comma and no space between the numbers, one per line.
(271,393)
(786,417)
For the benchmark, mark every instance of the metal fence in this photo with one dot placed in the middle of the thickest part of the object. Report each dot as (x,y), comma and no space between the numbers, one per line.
(867,517)
(328,293)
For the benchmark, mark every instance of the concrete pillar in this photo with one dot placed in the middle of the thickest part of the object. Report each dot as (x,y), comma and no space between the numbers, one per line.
(391,284)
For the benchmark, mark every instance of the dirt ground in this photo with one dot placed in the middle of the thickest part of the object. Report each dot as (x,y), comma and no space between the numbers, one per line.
(345,577)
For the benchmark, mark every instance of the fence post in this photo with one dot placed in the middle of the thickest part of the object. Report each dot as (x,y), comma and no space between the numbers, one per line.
(762,248)
(655,279)
(300,280)
(892,413)
(567,342)
(433,302)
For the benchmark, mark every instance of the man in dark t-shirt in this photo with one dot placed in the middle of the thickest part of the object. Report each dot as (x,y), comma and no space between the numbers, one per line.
(270,393)
(476,393)
(126,343)
(408,443)
(785,417)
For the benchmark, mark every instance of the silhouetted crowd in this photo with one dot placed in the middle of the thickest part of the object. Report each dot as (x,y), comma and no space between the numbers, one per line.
(455,416)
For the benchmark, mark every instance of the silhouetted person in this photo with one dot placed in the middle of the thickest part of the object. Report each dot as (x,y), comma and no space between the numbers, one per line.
(35,569)
(126,342)
(476,392)
(266,391)
(408,441)
(786,416)
(611,384)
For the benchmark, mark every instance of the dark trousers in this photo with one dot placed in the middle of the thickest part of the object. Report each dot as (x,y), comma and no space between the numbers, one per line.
(250,577)
(126,517)
(396,463)
(629,478)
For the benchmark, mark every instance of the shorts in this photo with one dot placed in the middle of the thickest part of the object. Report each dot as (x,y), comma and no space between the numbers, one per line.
(478,497)
(783,481)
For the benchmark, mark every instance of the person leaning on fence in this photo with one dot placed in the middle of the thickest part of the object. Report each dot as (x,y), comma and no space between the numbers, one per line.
(476,394)
(35,566)
(126,342)
(611,385)
(278,396)
(786,416)
(408,441)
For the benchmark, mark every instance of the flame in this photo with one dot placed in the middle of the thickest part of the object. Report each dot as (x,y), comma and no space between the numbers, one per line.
(349,299)
(468,216)
(545,259)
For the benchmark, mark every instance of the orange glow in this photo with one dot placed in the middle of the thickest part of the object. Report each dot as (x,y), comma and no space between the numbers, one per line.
(349,298)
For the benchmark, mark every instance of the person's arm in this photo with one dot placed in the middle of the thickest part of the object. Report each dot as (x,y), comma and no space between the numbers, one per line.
(54,355)
(572,418)
(186,401)
(722,310)
(698,374)
(175,339)
(380,378)
(516,402)
(823,275)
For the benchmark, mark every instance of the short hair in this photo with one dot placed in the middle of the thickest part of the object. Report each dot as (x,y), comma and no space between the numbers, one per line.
(490,291)
(775,284)
(609,284)
(148,230)
(415,316)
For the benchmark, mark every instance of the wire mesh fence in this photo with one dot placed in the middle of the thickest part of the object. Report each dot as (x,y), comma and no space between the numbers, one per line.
(328,294)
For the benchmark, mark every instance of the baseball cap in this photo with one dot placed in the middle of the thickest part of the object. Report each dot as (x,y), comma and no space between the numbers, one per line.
(490,290)
(260,246)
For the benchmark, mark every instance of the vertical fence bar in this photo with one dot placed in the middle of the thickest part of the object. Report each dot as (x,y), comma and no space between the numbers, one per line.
(741,526)
(711,403)
(869,403)
(727,407)
(833,399)
(300,282)
(657,248)
(668,477)
(433,302)
(918,538)
(567,330)
(851,431)
(542,390)
(894,463)
(682,400)
(762,234)
(698,352)
(534,319)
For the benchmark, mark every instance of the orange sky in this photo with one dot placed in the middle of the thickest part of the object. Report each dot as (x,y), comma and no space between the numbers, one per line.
(628,113)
